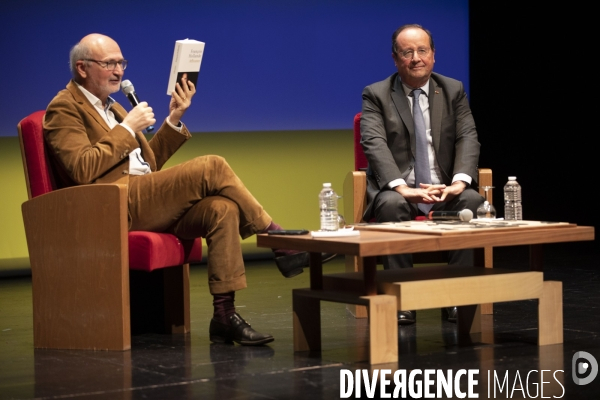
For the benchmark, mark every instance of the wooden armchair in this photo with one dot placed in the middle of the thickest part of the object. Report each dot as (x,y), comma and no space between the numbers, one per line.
(93,282)
(355,201)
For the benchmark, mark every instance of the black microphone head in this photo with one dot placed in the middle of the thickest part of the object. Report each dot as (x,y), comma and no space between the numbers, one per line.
(127,87)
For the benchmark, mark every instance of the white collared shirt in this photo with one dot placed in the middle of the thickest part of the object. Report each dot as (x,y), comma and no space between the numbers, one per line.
(435,170)
(137,165)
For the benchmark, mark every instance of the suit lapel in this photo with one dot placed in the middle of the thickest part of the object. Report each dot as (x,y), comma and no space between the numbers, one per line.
(403,108)
(436,107)
(89,108)
(120,114)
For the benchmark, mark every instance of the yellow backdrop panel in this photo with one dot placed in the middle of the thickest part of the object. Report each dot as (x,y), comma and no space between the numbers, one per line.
(284,170)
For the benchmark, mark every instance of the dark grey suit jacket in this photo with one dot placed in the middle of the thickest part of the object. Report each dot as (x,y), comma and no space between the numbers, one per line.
(388,136)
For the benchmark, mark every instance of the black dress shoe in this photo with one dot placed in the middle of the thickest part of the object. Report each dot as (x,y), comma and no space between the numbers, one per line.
(292,264)
(450,313)
(238,331)
(407,317)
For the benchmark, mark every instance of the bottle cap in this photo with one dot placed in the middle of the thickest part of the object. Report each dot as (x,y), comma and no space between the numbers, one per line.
(512,178)
(327,185)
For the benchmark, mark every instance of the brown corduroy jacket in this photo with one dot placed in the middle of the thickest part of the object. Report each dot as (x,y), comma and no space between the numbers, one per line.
(85,150)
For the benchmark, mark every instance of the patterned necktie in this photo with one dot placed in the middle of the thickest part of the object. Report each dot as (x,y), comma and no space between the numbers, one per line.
(422,171)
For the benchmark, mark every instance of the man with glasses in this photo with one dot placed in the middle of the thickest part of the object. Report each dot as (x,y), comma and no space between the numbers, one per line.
(94,140)
(422,154)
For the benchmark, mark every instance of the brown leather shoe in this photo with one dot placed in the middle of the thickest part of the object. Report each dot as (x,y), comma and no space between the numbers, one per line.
(238,330)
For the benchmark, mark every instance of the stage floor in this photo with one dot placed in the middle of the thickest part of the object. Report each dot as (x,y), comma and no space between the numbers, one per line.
(189,366)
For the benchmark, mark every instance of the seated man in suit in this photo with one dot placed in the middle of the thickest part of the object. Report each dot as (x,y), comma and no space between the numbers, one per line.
(94,140)
(422,154)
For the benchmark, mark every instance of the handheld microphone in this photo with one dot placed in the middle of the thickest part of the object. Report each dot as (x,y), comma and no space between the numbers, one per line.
(129,92)
(463,215)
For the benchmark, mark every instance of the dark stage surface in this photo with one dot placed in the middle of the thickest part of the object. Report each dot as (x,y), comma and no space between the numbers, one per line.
(189,366)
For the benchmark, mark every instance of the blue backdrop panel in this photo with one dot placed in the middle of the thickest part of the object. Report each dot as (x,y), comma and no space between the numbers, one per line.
(268,64)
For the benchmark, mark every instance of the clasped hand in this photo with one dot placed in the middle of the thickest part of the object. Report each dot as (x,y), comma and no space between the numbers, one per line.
(429,194)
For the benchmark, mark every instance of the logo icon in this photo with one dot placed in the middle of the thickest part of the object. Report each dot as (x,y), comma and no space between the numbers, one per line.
(585,368)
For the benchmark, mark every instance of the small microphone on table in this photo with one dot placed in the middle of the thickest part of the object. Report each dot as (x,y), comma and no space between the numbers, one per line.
(463,215)
(129,92)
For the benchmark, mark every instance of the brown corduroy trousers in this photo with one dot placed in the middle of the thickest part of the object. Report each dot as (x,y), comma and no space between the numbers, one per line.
(202,197)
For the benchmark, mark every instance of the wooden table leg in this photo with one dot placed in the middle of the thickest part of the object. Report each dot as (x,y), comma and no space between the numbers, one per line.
(485,258)
(469,319)
(550,314)
(316,271)
(536,257)
(307,322)
(368,266)
(369,271)
(383,329)
(355,264)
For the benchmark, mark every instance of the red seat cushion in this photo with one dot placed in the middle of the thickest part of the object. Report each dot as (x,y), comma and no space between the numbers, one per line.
(149,250)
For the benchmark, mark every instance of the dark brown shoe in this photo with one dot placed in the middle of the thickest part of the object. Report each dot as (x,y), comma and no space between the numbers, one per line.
(407,317)
(450,314)
(238,331)
(291,265)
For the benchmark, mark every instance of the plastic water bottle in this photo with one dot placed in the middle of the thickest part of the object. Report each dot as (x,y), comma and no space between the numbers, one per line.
(328,206)
(513,209)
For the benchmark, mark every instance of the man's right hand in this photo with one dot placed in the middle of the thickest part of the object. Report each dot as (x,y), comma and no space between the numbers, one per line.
(140,117)
(428,194)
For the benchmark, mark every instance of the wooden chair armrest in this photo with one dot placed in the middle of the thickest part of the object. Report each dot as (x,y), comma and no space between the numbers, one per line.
(485,179)
(79,212)
(78,250)
(355,196)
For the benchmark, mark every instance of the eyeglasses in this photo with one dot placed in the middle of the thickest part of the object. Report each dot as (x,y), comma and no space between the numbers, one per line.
(410,54)
(109,65)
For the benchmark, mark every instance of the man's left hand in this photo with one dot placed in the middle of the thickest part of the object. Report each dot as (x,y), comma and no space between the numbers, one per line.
(181,99)
(453,190)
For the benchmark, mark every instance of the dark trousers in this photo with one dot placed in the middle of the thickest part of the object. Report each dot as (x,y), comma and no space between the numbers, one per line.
(390,206)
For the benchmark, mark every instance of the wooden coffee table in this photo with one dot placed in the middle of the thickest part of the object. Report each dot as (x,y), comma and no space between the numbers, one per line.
(386,292)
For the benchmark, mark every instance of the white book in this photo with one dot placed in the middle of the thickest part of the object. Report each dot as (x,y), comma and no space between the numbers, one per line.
(187,58)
